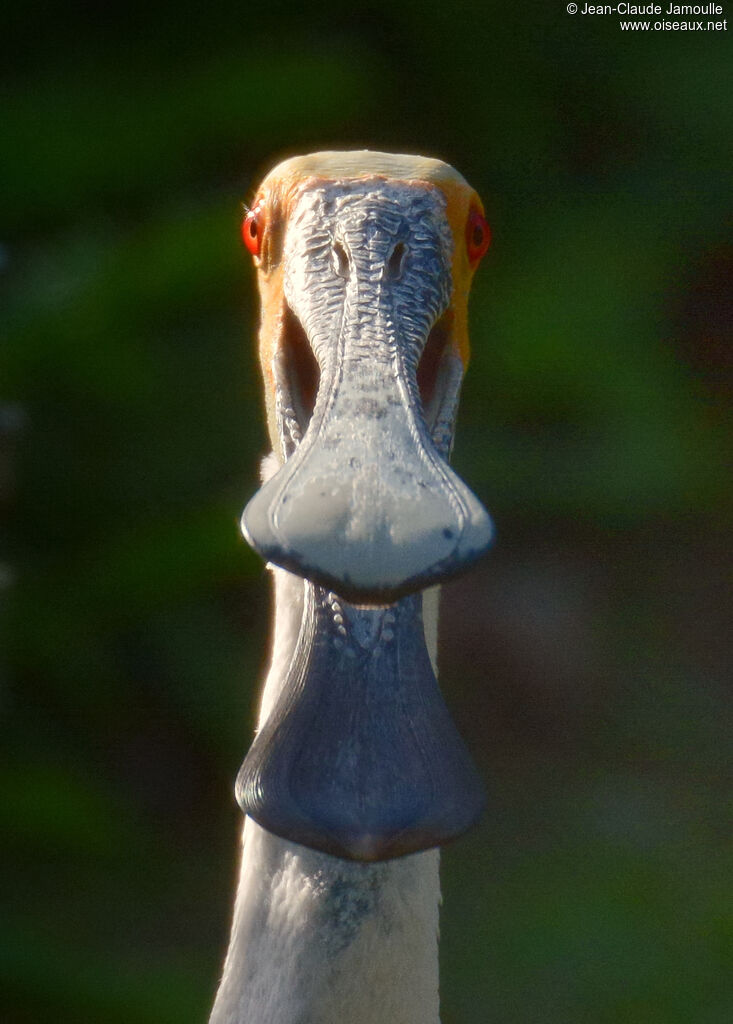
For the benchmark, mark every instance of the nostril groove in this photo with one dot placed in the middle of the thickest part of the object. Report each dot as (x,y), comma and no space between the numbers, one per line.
(396,262)
(340,260)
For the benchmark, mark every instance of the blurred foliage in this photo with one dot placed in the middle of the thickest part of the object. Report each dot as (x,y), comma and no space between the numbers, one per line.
(594,423)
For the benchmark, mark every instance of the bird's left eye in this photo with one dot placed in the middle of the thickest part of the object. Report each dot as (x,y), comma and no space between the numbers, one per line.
(478,236)
(252,229)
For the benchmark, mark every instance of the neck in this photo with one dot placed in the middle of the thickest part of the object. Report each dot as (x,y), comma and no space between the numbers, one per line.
(317,939)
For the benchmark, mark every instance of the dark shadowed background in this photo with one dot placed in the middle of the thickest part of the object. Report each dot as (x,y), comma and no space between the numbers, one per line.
(585,661)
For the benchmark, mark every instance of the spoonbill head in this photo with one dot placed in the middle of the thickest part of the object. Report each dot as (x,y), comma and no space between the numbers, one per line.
(364,264)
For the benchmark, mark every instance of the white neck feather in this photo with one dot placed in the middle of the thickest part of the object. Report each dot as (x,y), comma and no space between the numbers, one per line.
(317,939)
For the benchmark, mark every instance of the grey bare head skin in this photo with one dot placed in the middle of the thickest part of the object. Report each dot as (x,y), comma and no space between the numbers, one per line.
(364,273)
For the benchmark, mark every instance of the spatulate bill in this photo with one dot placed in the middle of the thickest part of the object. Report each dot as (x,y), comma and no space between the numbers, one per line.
(359,757)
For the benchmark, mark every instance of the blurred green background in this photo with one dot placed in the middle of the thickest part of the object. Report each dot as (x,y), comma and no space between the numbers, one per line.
(585,660)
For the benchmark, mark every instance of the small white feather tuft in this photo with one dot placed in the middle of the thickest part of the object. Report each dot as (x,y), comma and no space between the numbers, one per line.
(269,466)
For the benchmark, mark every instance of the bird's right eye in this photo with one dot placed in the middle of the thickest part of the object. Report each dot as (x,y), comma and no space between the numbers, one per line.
(253,227)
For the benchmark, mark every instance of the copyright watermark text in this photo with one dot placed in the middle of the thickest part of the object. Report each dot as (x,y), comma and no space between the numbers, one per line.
(689,13)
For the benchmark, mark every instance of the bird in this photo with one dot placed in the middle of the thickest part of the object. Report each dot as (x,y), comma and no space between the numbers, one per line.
(357,774)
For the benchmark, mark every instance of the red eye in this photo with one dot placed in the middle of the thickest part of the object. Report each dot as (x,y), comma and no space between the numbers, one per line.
(478,236)
(252,229)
